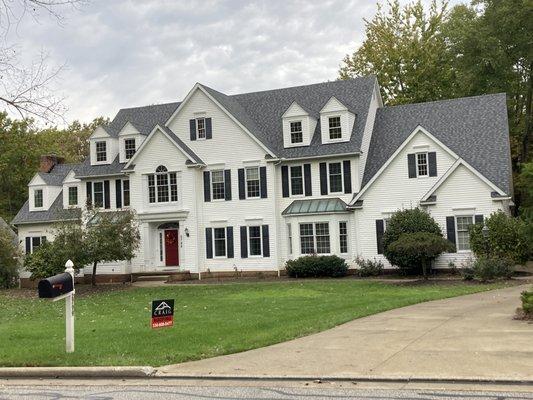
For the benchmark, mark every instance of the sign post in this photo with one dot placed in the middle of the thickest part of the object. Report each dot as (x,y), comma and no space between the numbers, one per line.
(162,313)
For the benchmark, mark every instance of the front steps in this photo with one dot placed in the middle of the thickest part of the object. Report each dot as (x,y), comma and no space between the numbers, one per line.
(163,276)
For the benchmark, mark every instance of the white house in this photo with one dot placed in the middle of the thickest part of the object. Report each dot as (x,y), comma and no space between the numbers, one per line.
(223,183)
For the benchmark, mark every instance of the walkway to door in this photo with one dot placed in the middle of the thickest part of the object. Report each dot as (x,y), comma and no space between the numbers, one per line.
(462,337)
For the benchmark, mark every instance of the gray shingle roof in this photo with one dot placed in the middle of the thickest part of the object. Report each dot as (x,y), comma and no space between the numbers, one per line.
(261,113)
(85,169)
(56,212)
(56,176)
(143,118)
(475,128)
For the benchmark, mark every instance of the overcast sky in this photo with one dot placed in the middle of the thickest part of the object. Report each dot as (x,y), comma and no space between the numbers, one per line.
(121,53)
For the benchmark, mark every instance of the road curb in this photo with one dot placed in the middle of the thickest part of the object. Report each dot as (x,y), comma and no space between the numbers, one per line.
(77,372)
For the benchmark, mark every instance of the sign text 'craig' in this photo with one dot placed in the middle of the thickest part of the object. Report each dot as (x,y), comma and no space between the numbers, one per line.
(162,313)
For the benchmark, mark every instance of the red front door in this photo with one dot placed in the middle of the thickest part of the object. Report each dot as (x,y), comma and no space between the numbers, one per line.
(171,247)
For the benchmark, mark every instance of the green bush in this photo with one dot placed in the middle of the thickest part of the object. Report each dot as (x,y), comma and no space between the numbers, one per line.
(491,268)
(527,303)
(9,260)
(417,250)
(406,222)
(369,267)
(506,237)
(316,266)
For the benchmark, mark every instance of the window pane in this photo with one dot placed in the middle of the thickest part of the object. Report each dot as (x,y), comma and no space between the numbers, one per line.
(162,188)
(463,235)
(98,189)
(322,238)
(252,182)
(38,198)
(343,237)
(126,192)
(72,196)
(173,187)
(296,132)
(422,164)
(151,188)
(217,183)
(297,183)
(335,131)
(335,177)
(289,235)
(200,128)
(220,242)
(306,239)
(254,233)
(101,151)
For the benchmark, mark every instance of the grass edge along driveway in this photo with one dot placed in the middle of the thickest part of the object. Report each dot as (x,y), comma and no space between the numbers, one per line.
(112,327)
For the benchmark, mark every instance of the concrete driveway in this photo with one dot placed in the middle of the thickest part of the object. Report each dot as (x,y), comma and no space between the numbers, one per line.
(465,337)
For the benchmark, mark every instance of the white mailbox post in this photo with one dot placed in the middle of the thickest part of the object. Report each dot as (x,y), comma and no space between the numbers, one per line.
(69,310)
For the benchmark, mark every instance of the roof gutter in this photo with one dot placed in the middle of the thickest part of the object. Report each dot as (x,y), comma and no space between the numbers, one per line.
(281,159)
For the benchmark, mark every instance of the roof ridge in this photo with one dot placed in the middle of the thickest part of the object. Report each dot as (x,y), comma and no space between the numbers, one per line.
(445,100)
(151,105)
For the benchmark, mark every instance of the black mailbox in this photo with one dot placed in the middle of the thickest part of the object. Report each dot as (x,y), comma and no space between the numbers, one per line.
(55,286)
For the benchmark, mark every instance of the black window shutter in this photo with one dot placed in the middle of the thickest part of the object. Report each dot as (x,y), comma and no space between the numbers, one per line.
(285,180)
(209,242)
(227,184)
(89,186)
(479,219)
(229,241)
(207,186)
(450,229)
(432,162)
(118,192)
(379,235)
(346,166)
(208,129)
(28,245)
(266,241)
(242,188)
(411,165)
(244,242)
(192,127)
(263,181)
(323,178)
(107,199)
(43,239)
(307,180)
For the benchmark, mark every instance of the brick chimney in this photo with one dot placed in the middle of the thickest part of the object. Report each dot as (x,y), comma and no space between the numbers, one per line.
(49,161)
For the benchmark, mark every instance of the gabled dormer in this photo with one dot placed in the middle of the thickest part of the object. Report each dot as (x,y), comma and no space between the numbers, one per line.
(71,191)
(298,126)
(129,140)
(336,122)
(103,147)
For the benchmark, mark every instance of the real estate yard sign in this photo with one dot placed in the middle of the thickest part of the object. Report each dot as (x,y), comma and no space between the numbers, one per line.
(162,313)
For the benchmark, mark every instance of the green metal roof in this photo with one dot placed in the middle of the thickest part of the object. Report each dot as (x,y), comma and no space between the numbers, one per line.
(315,206)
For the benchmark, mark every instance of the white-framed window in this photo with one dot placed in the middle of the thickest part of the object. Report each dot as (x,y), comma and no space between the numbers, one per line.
(101,151)
(200,128)
(314,238)
(218,185)
(129,148)
(253,186)
(255,242)
(38,198)
(462,224)
(126,192)
(98,194)
(162,186)
(296,132)
(334,124)
(422,164)
(343,237)
(219,242)
(73,196)
(289,238)
(34,243)
(335,177)
(296,180)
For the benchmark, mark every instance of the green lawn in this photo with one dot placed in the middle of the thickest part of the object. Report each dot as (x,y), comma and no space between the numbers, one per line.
(112,327)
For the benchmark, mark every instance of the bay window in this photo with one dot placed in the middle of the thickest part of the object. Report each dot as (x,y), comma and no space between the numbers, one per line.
(314,238)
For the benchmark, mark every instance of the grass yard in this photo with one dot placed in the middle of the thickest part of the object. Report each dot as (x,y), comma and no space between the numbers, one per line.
(112,327)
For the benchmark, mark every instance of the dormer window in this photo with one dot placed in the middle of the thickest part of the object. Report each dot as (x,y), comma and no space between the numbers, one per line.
(200,128)
(101,151)
(296,132)
(73,196)
(335,131)
(129,148)
(38,198)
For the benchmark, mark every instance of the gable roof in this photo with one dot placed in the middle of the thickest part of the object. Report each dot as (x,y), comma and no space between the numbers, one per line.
(57,174)
(56,212)
(475,128)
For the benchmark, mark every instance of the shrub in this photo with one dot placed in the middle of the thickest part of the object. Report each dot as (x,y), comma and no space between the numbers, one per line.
(9,259)
(316,266)
(490,268)
(527,303)
(506,237)
(402,222)
(417,250)
(369,267)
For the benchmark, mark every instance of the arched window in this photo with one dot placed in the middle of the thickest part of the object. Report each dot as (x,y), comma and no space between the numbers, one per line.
(162,186)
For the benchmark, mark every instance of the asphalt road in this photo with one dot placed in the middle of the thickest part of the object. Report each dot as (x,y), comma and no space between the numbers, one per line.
(67,391)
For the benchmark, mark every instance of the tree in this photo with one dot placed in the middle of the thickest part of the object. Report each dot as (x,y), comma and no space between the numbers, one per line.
(9,259)
(417,250)
(524,182)
(111,237)
(403,222)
